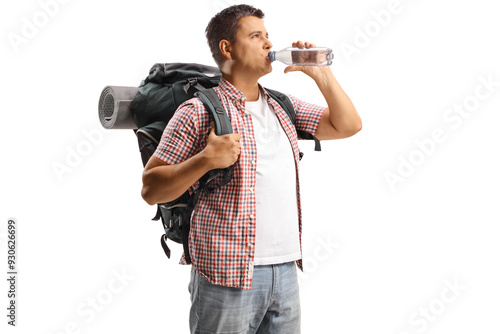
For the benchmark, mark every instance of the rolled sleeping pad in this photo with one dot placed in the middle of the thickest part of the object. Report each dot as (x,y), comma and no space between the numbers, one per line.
(114,107)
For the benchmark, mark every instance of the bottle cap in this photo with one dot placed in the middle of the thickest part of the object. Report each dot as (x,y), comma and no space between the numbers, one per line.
(271,56)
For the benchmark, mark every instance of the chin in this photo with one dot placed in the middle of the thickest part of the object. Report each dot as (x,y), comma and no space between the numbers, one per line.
(268,69)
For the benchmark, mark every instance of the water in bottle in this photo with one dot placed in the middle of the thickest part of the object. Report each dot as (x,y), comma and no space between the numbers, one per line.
(313,56)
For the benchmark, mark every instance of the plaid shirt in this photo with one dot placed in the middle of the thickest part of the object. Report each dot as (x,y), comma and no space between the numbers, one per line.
(222,235)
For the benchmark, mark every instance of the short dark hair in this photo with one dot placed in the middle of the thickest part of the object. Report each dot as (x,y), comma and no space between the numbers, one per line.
(224,25)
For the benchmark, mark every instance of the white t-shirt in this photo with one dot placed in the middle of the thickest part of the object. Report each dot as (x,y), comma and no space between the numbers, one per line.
(277,229)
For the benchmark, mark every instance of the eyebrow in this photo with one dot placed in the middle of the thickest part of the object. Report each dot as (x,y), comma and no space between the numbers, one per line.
(258,32)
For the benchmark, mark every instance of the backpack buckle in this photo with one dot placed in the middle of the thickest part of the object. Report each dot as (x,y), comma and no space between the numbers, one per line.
(190,83)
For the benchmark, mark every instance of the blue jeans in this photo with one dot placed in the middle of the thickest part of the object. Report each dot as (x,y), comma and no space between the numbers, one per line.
(271,306)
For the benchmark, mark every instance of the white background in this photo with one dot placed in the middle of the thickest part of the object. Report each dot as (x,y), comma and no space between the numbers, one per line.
(379,258)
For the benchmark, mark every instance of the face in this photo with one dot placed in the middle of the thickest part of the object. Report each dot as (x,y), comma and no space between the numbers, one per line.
(251,48)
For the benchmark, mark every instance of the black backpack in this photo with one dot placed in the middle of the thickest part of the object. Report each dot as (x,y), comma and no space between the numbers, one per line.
(166,87)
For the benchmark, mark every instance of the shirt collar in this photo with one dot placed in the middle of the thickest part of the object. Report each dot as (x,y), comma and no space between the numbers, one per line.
(234,93)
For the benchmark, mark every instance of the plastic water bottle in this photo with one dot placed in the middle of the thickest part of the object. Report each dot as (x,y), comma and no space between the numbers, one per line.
(314,56)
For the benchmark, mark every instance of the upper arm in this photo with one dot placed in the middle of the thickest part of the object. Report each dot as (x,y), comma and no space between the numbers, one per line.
(326,130)
(184,134)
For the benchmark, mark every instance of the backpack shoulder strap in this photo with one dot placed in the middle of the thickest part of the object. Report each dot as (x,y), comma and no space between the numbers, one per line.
(222,126)
(284,102)
(287,105)
(215,108)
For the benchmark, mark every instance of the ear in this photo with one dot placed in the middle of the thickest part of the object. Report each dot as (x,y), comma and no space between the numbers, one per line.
(225,48)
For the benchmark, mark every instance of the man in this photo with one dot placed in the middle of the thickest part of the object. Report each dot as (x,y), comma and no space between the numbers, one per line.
(245,236)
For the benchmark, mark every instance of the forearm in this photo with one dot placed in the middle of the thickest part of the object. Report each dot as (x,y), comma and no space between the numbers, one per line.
(164,183)
(342,114)
(340,119)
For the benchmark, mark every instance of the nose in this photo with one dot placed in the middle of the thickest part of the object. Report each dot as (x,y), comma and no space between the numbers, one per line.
(268,45)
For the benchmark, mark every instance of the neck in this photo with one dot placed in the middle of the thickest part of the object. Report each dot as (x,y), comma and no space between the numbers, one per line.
(247,84)
(249,89)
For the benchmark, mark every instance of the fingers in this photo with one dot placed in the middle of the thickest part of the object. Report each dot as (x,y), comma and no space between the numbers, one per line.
(235,136)
(224,150)
(306,69)
(233,146)
(230,149)
(300,44)
(235,139)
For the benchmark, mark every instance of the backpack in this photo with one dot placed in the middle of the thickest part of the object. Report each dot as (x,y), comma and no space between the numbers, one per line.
(166,87)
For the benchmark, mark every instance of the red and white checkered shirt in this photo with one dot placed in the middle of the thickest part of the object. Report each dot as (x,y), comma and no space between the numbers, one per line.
(222,235)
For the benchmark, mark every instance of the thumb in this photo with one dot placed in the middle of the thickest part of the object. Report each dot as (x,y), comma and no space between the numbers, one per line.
(292,69)
(212,134)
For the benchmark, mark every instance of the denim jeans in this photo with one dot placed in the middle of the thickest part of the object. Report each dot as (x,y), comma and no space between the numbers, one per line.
(272,305)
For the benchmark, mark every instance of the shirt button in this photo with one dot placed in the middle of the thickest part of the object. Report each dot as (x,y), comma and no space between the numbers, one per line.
(249,244)
(252,162)
(252,216)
